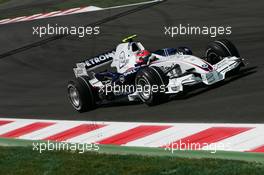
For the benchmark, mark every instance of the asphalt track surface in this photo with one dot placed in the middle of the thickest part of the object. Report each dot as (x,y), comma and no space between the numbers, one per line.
(33,79)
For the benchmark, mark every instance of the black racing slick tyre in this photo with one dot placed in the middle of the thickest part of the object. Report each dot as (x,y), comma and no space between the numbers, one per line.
(81,94)
(152,83)
(219,49)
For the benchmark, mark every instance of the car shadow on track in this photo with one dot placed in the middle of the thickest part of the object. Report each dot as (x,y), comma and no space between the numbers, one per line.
(190,91)
(120,103)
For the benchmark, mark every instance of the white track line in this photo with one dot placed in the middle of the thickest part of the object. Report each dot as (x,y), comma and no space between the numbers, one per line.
(50,14)
(134,4)
(69,12)
(88,9)
(253,125)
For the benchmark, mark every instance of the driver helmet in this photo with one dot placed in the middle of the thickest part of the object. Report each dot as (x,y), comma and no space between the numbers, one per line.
(142,56)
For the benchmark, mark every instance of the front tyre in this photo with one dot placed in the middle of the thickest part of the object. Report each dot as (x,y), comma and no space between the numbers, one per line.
(152,82)
(81,94)
(219,49)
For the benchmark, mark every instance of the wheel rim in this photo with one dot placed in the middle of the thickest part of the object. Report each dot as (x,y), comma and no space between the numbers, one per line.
(213,58)
(74,96)
(146,93)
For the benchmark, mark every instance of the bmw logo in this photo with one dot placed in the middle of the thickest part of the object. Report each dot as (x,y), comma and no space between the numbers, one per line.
(122,79)
(204,66)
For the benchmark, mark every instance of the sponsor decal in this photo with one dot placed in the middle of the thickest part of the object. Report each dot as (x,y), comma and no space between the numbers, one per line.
(100,59)
(131,72)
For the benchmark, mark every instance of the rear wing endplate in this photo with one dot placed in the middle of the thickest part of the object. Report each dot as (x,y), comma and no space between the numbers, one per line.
(93,63)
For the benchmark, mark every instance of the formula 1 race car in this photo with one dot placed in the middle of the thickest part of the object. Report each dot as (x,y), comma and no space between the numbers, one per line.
(150,77)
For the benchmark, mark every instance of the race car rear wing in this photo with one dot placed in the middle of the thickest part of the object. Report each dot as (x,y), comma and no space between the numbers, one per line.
(93,63)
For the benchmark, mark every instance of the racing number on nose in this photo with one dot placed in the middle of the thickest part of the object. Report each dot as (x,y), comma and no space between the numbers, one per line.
(122,58)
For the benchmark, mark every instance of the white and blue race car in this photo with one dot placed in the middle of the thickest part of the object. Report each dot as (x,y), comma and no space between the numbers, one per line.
(150,77)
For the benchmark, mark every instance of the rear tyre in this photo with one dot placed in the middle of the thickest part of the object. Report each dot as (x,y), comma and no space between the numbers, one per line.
(219,49)
(81,94)
(152,81)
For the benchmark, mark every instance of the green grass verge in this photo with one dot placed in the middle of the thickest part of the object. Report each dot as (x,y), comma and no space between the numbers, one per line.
(43,8)
(109,149)
(122,160)
(22,160)
(3,1)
